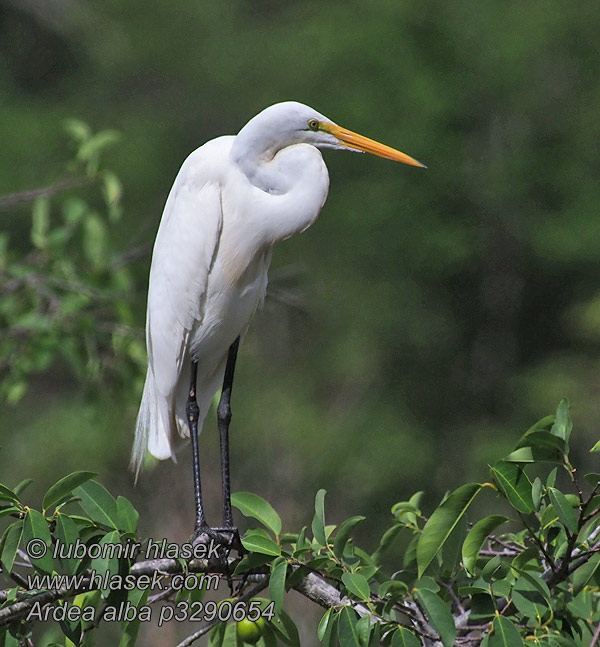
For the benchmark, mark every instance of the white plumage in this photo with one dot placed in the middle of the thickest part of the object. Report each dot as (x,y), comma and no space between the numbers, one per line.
(233,199)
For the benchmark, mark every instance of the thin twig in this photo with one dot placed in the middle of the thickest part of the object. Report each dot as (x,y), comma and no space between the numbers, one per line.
(499,553)
(539,542)
(454,597)
(496,540)
(13,199)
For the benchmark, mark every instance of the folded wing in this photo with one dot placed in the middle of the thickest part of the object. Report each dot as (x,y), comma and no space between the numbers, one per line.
(184,253)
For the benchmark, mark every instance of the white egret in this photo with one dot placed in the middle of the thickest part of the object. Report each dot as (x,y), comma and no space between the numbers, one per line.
(233,199)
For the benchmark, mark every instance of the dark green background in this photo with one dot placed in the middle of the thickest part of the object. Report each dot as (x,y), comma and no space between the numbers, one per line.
(436,314)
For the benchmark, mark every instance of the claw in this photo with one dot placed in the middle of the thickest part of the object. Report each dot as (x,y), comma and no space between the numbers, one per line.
(227,539)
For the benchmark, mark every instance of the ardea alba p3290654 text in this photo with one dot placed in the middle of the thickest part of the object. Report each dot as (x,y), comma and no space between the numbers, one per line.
(233,199)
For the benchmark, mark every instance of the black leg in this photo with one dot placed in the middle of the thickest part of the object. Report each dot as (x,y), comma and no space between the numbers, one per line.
(193,411)
(223,420)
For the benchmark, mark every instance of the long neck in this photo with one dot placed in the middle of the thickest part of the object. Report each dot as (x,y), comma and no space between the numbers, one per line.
(255,156)
(293,187)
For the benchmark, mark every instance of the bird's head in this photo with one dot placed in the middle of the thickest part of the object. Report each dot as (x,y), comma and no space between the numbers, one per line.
(287,123)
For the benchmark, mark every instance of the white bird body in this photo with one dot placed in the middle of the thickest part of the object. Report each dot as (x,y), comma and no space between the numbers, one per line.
(233,199)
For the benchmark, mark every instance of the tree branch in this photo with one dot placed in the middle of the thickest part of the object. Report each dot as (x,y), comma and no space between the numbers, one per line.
(13,199)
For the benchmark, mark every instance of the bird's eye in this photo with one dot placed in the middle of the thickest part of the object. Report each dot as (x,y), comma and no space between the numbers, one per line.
(313,124)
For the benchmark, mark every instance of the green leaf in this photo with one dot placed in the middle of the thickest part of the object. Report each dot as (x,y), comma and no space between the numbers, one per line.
(36,527)
(347,632)
(407,511)
(505,634)
(95,240)
(363,629)
(67,534)
(98,504)
(127,514)
(277,581)
(476,538)
(40,222)
(302,543)
(250,561)
(545,424)
(330,631)
(451,550)
(403,637)
(258,544)
(393,589)
(543,439)
(230,635)
(251,505)
(427,582)
(91,148)
(324,624)
(535,455)
(562,426)
(217,634)
(107,561)
(495,569)
(538,583)
(563,509)
(526,596)
(357,584)
(131,628)
(16,391)
(387,539)
(593,478)
(74,209)
(269,637)
(375,638)
(25,483)
(514,484)
(584,574)
(318,522)
(11,509)
(112,190)
(343,534)
(72,630)
(286,629)
(595,448)
(10,544)
(410,554)
(64,487)
(442,522)
(527,555)
(439,615)
(536,492)
(6,494)
(77,129)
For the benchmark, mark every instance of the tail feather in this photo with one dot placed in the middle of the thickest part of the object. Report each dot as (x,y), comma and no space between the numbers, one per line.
(153,430)
(161,426)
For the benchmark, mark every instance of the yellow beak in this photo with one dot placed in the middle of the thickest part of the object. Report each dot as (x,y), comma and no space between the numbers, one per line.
(361,143)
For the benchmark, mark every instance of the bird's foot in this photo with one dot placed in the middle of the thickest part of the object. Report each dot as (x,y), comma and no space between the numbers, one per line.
(227,538)
(220,542)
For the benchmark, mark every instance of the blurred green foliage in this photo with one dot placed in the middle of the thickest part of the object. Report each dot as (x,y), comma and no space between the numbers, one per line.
(424,316)
(68,298)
